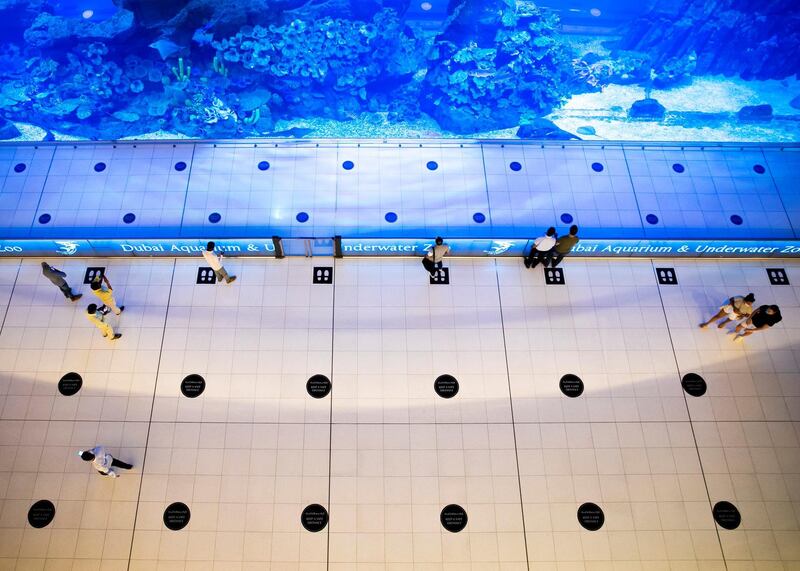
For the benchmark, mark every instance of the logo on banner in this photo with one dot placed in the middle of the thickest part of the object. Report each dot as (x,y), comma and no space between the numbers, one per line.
(498,248)
(67,248)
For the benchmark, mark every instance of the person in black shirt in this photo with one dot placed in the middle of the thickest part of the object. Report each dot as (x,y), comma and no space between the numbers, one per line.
(762,318)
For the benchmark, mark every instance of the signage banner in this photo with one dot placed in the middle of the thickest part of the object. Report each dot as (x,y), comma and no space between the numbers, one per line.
(396,247)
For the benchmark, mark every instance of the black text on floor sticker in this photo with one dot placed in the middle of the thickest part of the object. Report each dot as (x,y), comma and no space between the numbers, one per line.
(318,386)
(453,518)
(192,386)
(571,385)
(314,518)
(694,384)
(591,517)
(177,516)
(446,386)
(726,515)
(41,513)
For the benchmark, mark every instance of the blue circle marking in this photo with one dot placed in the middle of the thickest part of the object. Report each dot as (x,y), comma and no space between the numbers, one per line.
(736,219)
(20,167)
(348,165)
(214,217)
(566,218)
(432,165)
(597,167)
(302,217)
(129,217)
(515,166)
(99,167)
(45,218)
(180,166)
(391,217)
(651,219)
(479,217)
(759,169)
(263,165)
(678,168)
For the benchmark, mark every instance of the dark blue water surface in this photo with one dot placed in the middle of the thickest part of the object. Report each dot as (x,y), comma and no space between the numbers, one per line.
(103,69)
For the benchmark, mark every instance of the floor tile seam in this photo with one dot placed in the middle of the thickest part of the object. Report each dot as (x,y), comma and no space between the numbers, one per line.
(688,412)
(10,296)
(511,408)
(795,231)
(152,408)
(41,192)
(330,397)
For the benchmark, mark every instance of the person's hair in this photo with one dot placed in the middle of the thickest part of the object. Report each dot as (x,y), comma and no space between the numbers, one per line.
(439,241)
(750,297)
(774,309)
(573,230)
(95,286)
(92,308)
(551,231)
(87,456)
(45,265)
(210,247)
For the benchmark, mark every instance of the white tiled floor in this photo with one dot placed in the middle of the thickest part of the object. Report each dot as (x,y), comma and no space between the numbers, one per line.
(383,453)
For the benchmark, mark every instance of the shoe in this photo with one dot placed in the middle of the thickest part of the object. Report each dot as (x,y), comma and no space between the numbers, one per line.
(75,297)
(104,310)
(721,326)
(527,264)
(121,308)
(117,336)
(230,280)
(703,325)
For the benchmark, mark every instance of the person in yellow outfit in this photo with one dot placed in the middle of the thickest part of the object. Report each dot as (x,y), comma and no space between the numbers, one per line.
(106,295)
(97,318)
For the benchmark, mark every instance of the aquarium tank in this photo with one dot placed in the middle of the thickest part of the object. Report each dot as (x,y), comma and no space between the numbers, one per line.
(666,70)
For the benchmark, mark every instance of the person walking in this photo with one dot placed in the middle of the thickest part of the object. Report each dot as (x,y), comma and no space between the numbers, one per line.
(102,461)
(57,278)
(761,319)
(215,262)
(541,250)
(738,308)
(563,246)
(98,319)
(433,259)
(106,294)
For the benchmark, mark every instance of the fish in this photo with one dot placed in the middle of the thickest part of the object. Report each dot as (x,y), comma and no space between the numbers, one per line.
(166,48)
(296,132)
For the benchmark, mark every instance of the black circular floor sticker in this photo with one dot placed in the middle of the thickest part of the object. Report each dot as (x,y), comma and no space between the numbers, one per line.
(193,386)
(41,513)
(314,518)
(70,384)
(176,516)
(591,517)
(726,515)
(446,386)
(453,518)
(694,384)
(571,385)
(318,386)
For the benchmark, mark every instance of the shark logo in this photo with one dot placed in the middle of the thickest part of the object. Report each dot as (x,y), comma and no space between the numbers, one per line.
(498,248)
(67,248)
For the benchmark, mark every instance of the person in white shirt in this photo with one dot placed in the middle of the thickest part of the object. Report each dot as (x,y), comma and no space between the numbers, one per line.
(215,262)
(102,461)
(542,248)
(436,254)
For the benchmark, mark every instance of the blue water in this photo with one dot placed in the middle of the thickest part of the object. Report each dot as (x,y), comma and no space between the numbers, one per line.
(103,70)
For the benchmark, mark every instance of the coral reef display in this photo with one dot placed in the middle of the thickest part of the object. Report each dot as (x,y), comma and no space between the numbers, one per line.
(261,68)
